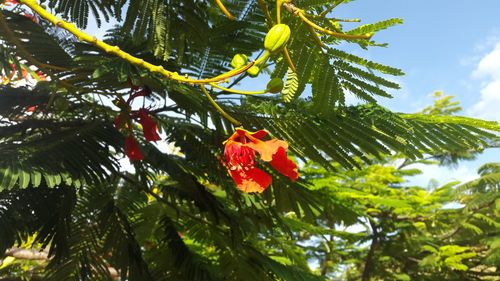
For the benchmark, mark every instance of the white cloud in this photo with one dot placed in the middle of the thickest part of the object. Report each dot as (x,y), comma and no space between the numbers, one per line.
(488,69)
(489,65)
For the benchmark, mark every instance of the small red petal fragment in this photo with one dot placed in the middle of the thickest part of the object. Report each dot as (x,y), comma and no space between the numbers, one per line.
(31,108)
(132,149)
(149,127)
(284,165)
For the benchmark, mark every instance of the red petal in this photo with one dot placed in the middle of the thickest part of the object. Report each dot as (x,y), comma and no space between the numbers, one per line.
(251,180)
(238,155)
(267,149)
(244,134)
(132,149)
(284,165)
(149,127)
(118,121)
(252,135)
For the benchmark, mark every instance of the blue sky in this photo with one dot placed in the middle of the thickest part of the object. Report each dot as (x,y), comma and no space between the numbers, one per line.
(447,45)
(438,46)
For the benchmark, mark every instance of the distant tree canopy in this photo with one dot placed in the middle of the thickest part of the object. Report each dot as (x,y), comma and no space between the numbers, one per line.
(286,182)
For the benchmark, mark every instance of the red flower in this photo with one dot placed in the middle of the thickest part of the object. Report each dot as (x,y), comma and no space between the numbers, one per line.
(240,157)
(11,2)
(132,149)
(149,127)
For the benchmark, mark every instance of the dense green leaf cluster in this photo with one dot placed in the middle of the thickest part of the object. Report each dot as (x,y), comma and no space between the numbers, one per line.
(177,215)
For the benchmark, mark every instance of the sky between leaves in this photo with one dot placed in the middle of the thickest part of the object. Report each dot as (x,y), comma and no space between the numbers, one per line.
(447,45)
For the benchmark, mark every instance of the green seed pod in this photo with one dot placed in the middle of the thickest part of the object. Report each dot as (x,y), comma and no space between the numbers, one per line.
(276,38)
(253,71)
(275,85)
(239,60)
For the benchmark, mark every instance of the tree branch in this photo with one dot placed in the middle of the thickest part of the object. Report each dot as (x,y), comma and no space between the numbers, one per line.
(371,252)
(27,254)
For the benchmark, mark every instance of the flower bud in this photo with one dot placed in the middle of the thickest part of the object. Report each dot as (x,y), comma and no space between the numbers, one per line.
(277,37)
(239,60)
(275,85)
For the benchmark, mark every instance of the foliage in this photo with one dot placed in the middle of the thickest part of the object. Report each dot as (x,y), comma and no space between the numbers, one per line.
(179,216)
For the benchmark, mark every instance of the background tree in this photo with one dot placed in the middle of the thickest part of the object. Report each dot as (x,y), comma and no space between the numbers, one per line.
(181,216)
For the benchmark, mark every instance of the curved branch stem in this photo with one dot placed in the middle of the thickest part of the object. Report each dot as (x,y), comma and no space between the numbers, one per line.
(288,58)
(303,17)
(222,112)
(369,258)
(278,11)
(225,10)
(115,50)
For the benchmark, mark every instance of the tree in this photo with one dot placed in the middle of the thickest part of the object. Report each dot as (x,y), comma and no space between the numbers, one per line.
(202,214)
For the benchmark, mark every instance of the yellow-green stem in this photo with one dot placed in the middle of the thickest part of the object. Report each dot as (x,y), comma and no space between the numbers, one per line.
(224,10)
(288,58)
(115,50)
(263,59)
(303,17)
(315,36)
(278,11)
(221,111)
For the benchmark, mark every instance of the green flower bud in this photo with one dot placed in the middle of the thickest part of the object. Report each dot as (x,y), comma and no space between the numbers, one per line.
(277,37)
(275,85)
(239,60)
(253,71)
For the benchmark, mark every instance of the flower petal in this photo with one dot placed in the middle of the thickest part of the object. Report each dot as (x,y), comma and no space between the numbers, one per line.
(238,155)
(284,165)
(251,180)
(149,127)
(132,149)
(267,149)
(242,135)
(258,135)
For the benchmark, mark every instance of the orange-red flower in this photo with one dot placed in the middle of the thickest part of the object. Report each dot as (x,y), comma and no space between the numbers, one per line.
(132,149)
(240,150)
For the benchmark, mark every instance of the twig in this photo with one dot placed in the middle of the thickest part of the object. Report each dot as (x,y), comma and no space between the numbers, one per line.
(222,112)
(369,258)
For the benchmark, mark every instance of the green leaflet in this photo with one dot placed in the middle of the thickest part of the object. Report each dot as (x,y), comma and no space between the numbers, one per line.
(326,90)
(291,86)
(79,10)
(364,62)
(15,175)
(374,27)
